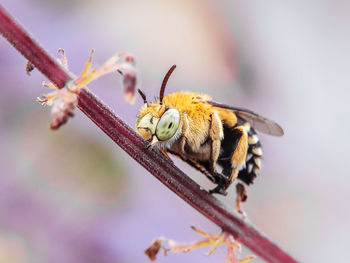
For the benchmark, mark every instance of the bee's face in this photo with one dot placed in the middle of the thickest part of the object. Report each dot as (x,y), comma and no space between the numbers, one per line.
(157,123)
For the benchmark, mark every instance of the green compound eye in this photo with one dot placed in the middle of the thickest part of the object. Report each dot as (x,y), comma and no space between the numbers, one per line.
(168,124)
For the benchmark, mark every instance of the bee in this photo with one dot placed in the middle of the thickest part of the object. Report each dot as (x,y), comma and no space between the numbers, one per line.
(206,135)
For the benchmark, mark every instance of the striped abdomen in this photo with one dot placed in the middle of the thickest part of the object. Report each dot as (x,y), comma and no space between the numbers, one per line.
(252,165)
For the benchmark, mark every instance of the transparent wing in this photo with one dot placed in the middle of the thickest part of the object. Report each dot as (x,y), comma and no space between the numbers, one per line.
(256,121)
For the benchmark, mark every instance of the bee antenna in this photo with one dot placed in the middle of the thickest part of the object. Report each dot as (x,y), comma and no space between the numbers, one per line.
(142,95)
(165,80)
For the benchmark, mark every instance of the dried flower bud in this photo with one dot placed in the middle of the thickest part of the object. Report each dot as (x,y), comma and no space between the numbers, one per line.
(127,69)
(63,108)
(153,250)
(129,59)
(129,86)
(29,67)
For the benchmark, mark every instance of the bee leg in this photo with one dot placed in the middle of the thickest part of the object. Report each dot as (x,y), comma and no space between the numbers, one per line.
(241,197)
(215,178)
(184,132)
(221,187)
(204,171)
(166,155)
(215,133)
(239,154)
(198,166)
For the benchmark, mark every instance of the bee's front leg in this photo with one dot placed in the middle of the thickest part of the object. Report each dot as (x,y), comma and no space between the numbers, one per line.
(165,154)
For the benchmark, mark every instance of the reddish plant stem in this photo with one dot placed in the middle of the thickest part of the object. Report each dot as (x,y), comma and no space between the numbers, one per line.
(27,46)
(134,145)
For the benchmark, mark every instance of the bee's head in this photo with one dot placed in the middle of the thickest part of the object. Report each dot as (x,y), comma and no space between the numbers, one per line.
(155,121)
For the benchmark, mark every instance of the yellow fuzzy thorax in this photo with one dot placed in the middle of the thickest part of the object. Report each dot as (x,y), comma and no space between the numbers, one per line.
(191,103)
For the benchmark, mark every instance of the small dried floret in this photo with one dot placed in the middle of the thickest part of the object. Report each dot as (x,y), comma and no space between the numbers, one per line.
(129,86)
(210,240)
(63,108)
(153,250)
(64,101)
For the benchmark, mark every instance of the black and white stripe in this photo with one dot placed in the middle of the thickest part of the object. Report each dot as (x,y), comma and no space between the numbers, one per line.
(253,161)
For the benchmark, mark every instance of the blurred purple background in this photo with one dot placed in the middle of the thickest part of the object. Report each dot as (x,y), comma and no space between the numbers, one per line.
(73,196)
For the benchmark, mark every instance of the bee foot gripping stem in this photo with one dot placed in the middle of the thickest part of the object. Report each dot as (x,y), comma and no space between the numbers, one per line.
(222,185)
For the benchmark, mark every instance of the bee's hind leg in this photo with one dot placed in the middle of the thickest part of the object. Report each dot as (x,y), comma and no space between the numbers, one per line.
(238,161)
(241,197)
